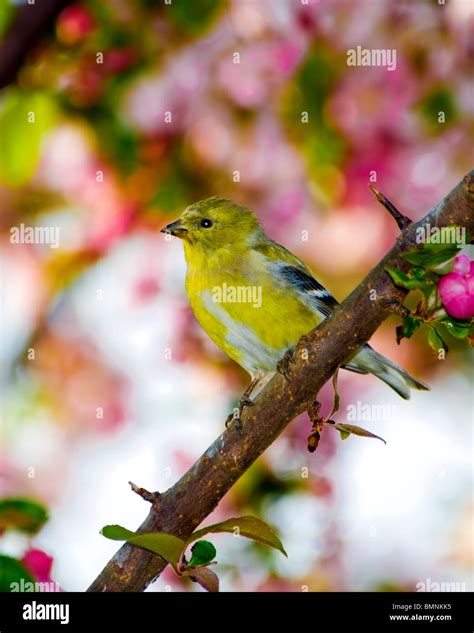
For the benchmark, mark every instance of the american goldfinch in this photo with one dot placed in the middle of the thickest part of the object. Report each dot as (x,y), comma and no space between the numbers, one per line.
(254,298)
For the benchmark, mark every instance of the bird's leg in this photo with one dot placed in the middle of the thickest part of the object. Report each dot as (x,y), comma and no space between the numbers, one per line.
(234,417)
(245,397)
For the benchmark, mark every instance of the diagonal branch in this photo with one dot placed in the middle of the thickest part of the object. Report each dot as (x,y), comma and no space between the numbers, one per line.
(181,509)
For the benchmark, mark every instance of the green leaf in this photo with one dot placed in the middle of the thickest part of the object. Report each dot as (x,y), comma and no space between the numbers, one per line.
(12,571)
(247,526)
(344,434)
(22,514)
(205,577)
(440,99)
(403,280)
(408,328)
(458,329)
(193,17)
(167,546)
(430,294)
(430,259)
(24,119)
(436,342)
(203,552)
(418,273)
(351,429)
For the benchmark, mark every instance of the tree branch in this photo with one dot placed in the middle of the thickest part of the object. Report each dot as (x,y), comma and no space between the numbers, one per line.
(183,507)
(30,23)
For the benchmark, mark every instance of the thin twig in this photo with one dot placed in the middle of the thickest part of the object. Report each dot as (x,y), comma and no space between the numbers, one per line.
(402,220)
(151,497)
(393,306)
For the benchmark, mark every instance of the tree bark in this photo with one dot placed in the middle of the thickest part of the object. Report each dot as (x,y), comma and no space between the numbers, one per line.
(184,506)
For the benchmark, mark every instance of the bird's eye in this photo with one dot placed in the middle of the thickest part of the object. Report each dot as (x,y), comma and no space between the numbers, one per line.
(206,223)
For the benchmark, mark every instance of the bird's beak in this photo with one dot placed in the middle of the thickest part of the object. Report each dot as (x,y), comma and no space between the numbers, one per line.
(176,228)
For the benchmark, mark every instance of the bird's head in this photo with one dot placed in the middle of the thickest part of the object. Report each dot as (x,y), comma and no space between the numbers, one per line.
(215,223)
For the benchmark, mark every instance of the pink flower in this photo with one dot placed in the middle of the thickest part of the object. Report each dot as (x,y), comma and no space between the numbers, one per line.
(39,564)
(74,25)
(117,60)
(457,289)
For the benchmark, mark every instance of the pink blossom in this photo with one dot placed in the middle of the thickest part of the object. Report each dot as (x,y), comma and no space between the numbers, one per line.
(117,60)
(457,289)
(39,564)
(74,25)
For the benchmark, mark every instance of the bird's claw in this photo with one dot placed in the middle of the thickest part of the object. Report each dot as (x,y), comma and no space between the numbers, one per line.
(233,421)
(234,418)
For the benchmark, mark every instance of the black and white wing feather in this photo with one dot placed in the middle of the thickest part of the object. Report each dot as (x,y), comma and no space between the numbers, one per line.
(311,291)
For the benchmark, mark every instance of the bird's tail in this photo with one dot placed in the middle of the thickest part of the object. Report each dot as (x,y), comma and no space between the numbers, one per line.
(370,361)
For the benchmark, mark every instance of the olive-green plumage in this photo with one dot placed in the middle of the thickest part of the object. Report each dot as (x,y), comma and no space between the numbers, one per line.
(253,297)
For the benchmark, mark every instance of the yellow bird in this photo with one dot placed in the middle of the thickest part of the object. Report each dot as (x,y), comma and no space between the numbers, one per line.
(254,298)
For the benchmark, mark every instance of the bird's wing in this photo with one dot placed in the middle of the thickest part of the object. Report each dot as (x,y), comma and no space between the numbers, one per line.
(290,270)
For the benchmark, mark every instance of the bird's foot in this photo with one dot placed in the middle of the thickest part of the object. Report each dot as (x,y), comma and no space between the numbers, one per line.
(233,421)
(234,418)
(245,402)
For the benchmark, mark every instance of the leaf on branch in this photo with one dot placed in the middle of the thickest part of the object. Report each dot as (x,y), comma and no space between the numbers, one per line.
(350,429)
(208,579)
(22,514)
(403,280)
(458,329)
(203,552)
(167,546)
(430,294)
(436,342)
(408,328)
(247,526)
(429,258)
(12,571)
